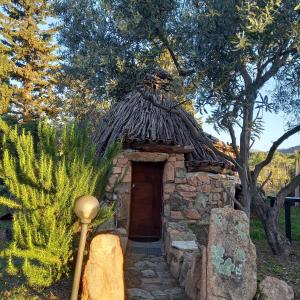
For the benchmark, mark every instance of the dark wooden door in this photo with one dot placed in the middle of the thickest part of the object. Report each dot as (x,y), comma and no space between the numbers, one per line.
(146,200)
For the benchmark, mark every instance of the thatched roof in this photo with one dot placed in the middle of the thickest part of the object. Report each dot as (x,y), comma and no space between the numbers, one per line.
(138,122)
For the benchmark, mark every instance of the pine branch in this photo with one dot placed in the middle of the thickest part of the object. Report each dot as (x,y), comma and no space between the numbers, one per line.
(9,203)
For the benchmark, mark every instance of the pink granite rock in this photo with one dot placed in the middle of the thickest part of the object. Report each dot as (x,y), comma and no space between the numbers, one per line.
(194,276)
(179,156)
(122,162)
(103,273)
(191,214)
(179,164)
(169,188)
(203,177)
(185,188)
(126,174)
(188,194)
(116,170)
(272,288)
(169,172)
(193,180)
(176,215)
(231,256)
(180,180)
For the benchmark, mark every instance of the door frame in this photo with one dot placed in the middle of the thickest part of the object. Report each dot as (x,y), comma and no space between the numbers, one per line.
(162,164)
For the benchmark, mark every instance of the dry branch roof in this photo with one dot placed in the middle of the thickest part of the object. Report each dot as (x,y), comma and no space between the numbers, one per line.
(136,120)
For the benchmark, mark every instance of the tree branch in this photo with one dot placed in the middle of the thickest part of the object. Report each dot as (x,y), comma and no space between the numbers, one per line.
(238,203)
(276,65)
(195,131)
(285,191)
(267,179)
(272,150)
(274,58)
(166,43)
(233,140)
(247,78)
(178,104)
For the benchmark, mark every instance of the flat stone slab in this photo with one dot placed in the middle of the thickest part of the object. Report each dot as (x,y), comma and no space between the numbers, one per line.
(136,293)
(148,277)
(148,273)
(185,245)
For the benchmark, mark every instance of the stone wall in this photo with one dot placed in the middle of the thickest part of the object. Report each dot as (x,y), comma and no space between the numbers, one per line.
(188,201)
(187,197)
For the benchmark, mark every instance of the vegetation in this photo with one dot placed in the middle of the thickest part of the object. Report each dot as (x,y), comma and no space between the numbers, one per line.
(44,178)
(226,50)
(280,171)
(221,55)
(6,68)
(258,234)
(273,265)
(28,60)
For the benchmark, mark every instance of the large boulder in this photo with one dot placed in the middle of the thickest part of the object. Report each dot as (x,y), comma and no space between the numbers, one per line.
(272,288)
(103,277)
(231,256)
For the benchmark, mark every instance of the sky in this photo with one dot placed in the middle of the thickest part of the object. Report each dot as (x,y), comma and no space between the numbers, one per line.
(275,126)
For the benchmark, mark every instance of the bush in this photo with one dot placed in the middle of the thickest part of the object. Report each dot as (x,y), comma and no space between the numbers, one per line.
(44,175)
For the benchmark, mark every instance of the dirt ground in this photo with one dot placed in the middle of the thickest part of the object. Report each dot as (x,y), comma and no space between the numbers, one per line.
(15,288)
(272,265)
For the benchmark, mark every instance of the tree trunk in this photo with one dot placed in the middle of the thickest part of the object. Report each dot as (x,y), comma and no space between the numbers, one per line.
(269,217)
(247,196)
(276,240)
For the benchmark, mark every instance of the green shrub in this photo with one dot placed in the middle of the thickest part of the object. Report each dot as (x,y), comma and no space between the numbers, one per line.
(45,174)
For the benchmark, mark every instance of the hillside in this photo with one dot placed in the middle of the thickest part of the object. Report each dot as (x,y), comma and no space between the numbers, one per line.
(290,150)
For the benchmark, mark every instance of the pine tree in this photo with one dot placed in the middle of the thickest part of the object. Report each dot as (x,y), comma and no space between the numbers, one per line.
(24,31)
(44,179)
(6,68)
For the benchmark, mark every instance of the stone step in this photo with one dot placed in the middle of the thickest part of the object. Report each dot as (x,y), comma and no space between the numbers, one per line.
(147,277)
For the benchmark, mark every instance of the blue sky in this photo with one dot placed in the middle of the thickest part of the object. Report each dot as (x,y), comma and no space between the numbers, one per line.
(275,126)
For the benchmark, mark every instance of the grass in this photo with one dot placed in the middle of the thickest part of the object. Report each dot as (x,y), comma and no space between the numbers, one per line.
(15,288)
(276,266)
(257,232)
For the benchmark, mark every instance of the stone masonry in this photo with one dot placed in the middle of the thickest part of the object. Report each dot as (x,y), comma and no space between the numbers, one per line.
(187,197)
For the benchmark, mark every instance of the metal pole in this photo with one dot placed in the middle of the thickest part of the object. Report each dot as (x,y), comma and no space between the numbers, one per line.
(297,171)
(288,228)
(78,267)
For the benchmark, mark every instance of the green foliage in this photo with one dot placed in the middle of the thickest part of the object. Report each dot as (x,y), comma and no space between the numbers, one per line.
(28,59)
(257,232)
(223,52)
(109,45)
(282,168)
(44,179)
(5,70)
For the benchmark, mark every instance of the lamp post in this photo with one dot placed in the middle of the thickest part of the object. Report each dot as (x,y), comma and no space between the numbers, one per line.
(86,208)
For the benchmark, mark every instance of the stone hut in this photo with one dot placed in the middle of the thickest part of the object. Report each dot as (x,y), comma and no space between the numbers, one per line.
(163,175)
(169,186)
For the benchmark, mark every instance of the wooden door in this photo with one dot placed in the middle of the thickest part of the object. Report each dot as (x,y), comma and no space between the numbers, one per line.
(146,200)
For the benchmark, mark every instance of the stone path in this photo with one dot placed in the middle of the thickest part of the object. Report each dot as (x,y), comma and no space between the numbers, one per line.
(147,277)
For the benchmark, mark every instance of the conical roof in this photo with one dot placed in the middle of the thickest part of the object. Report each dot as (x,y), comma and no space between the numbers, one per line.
(137,121)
